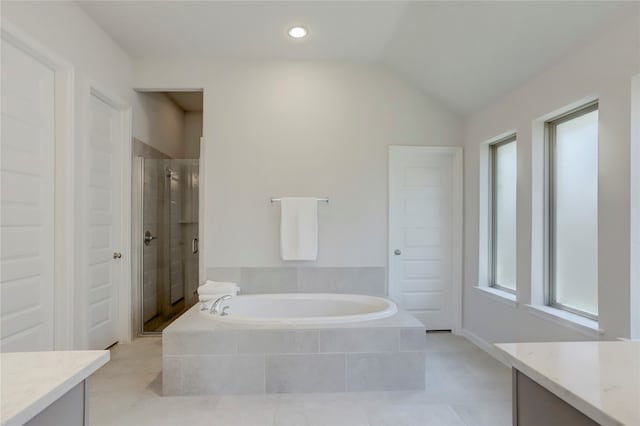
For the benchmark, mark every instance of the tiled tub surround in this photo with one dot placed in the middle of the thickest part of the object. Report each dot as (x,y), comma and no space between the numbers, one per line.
(203,356)
(370,280)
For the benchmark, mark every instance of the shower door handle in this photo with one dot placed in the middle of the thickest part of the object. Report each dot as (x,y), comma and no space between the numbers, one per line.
(148,238)
(194,246)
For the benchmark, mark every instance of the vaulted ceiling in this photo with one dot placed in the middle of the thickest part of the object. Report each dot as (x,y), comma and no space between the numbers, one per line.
(463,54)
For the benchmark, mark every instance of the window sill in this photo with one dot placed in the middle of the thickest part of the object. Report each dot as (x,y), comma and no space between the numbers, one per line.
(499,295)
(583,325)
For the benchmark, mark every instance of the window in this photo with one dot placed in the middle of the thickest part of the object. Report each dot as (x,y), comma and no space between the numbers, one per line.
(502,235)
(572,212)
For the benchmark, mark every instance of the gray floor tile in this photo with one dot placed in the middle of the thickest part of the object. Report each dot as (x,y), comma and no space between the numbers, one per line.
(464,386)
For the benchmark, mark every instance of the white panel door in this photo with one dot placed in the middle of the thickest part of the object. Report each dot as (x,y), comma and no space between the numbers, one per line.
(421,234)
(104,240)
(27,203)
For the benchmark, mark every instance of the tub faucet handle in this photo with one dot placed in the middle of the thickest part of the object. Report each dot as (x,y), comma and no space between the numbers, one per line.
(215,306)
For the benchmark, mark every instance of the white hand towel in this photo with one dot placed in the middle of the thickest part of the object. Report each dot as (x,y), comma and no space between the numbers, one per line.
(299,229)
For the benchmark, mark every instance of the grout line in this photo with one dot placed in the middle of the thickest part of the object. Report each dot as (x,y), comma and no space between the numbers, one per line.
(346,376)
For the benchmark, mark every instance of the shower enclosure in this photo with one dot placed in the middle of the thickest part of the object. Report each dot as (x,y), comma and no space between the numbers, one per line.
(169,261)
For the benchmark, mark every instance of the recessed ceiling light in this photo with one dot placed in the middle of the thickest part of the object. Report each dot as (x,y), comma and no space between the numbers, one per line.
(297,32)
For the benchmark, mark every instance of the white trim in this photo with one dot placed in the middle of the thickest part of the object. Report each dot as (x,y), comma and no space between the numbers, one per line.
(582,325)
(457,263)
(501,136)
(497,294)
(456,223)
(124,303)
(64,198)
(484,209)
(202,206)
(489,348)
(137,247)
(539,199)
(635,209)
(538,203)
(567,108)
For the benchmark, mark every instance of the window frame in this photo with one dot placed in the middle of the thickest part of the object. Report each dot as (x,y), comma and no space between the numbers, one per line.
(550,202)
(493,148)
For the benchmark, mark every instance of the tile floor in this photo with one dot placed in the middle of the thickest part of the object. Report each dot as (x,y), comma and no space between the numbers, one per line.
(465,387)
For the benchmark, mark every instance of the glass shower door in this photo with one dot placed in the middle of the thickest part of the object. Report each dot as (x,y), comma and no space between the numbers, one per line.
(170,249)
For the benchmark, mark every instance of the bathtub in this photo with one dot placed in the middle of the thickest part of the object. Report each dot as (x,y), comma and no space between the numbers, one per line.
(303,308)
(294,343)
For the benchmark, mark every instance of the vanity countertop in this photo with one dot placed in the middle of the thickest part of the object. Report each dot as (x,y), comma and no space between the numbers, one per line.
(601,379)
(31,381)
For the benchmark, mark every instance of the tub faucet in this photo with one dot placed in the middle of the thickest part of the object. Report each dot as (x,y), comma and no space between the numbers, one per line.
(215,306)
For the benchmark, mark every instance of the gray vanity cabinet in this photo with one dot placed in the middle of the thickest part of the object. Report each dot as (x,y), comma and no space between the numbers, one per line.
(71,409)
(533,405)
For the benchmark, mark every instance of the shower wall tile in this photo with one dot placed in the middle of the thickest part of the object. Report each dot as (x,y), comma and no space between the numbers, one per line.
(234,275)
(317,280)
(370,281)
(150,307)
(355,280)
(270,280)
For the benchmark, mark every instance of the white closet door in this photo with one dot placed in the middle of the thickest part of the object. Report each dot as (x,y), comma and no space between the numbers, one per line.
(27,203)
(105,174)
(421,233)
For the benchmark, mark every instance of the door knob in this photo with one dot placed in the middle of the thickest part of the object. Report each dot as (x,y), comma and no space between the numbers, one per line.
(148,238)
(117,255)
(397,252)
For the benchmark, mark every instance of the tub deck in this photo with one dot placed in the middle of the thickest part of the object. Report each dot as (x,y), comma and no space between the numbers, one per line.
(202,356)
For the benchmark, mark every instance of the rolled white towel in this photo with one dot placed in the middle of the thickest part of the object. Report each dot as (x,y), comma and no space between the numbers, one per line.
(215,287)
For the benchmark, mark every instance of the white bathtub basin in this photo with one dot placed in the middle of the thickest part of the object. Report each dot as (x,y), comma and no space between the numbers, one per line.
(304,308)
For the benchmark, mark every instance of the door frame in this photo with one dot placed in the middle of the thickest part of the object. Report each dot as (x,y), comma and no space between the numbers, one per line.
(635,209)
(64,199)
(123,290)
(137,247)
(202,206)
(456,222)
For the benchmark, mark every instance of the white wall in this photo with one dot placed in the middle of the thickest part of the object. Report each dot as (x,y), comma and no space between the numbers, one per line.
(192,134)
(160,123)
(601,68)
(98,59)
(67,30)
(300,129)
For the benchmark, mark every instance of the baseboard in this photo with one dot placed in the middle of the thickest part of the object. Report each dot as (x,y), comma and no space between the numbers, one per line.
(485,346)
